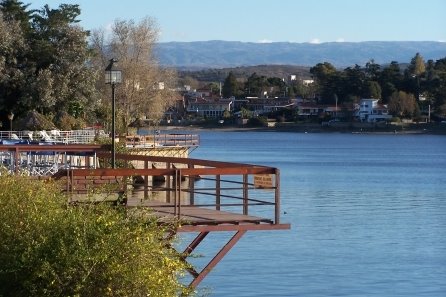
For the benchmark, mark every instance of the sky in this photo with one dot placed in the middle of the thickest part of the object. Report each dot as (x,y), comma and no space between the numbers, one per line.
(314,21)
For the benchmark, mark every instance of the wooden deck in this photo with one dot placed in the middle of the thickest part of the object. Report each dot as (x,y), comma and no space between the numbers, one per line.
(197,219)
(199,196)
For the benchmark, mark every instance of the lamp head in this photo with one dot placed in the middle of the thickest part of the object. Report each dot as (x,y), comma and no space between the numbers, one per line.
(112,73)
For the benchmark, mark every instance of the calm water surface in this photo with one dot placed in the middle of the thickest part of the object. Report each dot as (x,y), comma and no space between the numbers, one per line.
(368,215)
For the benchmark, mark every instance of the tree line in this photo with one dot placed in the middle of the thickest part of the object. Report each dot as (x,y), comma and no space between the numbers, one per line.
(407,89)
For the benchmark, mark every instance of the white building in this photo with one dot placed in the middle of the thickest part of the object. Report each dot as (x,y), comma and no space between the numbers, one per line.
(307,82)
(211,108)
(370,111)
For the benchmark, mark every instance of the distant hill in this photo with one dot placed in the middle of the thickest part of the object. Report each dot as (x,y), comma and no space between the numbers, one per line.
(225,54)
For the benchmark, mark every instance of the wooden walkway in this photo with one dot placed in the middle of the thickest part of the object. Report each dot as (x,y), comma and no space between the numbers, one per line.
(203,196)
(198,219)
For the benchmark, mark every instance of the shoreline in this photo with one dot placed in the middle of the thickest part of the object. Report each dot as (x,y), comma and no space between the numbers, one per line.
(419,129)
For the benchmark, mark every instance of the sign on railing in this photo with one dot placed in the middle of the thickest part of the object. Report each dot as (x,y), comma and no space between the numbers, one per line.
(263,181)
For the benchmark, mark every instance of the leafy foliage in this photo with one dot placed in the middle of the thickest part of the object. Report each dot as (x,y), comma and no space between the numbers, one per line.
(403,104)
(49,248)
(230,86)
(44,66)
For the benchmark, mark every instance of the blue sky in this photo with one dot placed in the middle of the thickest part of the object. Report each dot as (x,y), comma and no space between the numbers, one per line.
(314,21)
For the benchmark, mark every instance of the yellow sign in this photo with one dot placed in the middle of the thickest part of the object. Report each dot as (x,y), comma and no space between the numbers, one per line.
(263,180)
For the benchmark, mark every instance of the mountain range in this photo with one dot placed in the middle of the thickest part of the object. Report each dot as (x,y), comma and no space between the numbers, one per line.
(221,54)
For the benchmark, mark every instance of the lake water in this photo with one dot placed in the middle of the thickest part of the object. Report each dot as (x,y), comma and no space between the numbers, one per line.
(368,215)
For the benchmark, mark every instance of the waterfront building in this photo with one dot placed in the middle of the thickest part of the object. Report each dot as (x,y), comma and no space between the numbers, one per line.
(369,110)
(210,107)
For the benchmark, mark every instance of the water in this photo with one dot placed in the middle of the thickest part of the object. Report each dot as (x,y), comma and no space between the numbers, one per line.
(368,215)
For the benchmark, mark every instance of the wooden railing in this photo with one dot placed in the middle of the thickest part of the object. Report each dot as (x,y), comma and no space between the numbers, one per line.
(188,182)
(172,183)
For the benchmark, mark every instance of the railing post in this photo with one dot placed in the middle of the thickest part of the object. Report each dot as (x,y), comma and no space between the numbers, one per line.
(217,192)
(168,184)
(70,183)
(277,198)
(146,180)
(175,212)
(177,193)
(245,194)
(16,160)
(191,186)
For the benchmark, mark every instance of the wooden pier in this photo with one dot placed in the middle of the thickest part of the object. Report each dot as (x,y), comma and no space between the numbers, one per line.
(199,196)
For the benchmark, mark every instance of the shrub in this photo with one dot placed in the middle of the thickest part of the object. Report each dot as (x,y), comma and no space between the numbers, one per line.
(257,122)
(49,248)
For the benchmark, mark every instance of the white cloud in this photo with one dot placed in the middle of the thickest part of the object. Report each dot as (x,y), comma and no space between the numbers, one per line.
(315,41)
(264,41)
(340,39)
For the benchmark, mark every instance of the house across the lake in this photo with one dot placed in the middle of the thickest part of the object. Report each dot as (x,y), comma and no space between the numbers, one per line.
(369,110)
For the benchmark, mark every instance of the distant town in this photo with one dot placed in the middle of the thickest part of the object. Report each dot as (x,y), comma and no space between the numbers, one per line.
(373,94)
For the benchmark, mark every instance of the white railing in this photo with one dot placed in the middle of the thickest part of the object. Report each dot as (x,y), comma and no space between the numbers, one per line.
(56,136)
(46,159)
(88,136)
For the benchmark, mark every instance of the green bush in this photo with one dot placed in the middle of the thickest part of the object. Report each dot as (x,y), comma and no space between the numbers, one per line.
(257,122)
(49,248)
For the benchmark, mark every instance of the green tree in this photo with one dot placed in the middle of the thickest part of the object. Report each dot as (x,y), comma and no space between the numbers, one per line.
(372,70)
(230,86)
(438,87)
(49,248)
(417,65)
(278,86)
(214,88)
(403,104)
(256,85)
(326,79)
(46,65)
(14,73)
(372,89)
(390,80)
(14,10)
(416,71)
(60,52)
(354,81)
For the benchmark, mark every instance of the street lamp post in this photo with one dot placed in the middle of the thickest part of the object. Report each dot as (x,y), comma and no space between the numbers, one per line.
(10,118)
(113,77)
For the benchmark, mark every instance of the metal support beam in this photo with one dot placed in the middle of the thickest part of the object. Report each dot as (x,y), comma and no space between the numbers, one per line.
(191,186)
(277,198)
(190,248)
(217,191)
(245,194)
(223,251)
